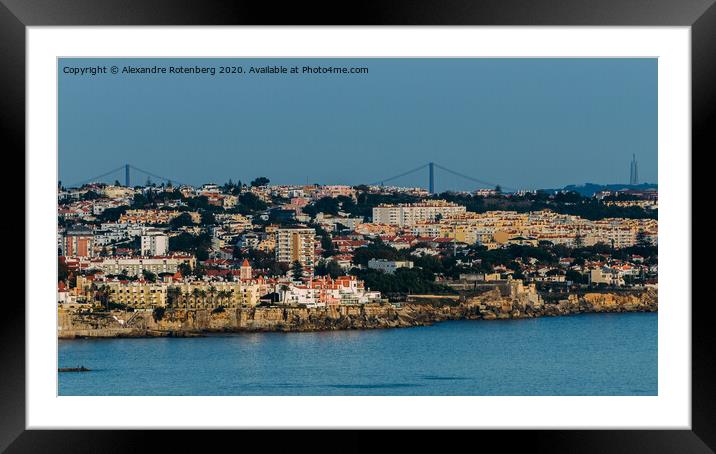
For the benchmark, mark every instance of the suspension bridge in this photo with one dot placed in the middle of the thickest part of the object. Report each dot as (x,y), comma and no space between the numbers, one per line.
(127,170)
(124,170)
(431,166)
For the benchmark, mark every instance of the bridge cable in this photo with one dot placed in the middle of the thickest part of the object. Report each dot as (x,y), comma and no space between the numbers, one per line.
(467,177)
(94,179)
(399,175)
(158,176)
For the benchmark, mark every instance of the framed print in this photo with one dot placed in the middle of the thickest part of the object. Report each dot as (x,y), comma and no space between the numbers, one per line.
(441,218)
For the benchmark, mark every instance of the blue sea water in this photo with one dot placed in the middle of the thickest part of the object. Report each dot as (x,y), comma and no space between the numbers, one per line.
(589,354)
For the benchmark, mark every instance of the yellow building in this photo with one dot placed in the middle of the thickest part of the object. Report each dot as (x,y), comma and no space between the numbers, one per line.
(501,237)
(148,216)
(460,233)
(188,295)
(267,245)
(202,294)
(139,295)
(230,201)
(135,266)
(117,192)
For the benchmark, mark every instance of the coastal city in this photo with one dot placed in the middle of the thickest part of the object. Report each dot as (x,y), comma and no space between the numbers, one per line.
(155,247)
(416,227)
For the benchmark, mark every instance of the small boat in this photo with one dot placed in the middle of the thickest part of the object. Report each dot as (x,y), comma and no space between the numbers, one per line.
(73,369)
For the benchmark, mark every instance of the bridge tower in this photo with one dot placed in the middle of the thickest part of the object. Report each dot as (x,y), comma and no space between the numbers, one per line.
(126,175)
(431,183)
(634,171)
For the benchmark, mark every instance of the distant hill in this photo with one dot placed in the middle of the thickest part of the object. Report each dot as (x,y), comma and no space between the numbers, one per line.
(589,189)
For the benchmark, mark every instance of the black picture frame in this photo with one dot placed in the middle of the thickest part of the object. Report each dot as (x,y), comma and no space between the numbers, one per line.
(16,15)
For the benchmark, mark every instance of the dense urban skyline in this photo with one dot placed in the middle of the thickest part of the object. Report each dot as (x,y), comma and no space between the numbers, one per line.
(529,123)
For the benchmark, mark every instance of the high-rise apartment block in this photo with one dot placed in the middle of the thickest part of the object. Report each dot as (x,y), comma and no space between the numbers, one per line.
(411,213)
(78,242)
(296,245)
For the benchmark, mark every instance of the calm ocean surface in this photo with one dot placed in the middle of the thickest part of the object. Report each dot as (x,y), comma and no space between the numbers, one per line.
(590,354)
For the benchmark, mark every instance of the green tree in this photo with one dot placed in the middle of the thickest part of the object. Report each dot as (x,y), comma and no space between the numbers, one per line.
(329,268)
(149,276)
(578,240)
(260,181)
(158,313)
(207,218)
(278,269)
(223,295)
(326,205)
(642,239)
(334,269)
(173,296)
(403,281)
(184,269)
(320,268)
(297,270)
(378,250)
(327,246)
(62,271)
(284,289)
(250,202)
(183,220)
(430,263)
(140,201)
(199,270)
(101,295)
(576,277)
(228,186)
(199,203)
(196,244)
(212,294)
(112,214)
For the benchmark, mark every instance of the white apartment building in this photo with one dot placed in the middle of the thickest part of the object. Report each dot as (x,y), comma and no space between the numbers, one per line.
(324,291)
(411,213)
(388,266)
(485,228)
(154,243)
(249,240)
(331,222)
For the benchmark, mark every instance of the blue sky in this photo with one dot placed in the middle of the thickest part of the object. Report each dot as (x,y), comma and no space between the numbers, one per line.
(523,123)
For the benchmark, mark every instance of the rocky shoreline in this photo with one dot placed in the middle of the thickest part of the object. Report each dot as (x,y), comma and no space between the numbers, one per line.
(418,311)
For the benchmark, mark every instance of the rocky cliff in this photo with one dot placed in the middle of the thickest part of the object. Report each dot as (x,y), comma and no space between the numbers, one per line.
(487,306)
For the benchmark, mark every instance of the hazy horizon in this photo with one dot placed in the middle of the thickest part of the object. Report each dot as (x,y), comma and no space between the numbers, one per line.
(520,123)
